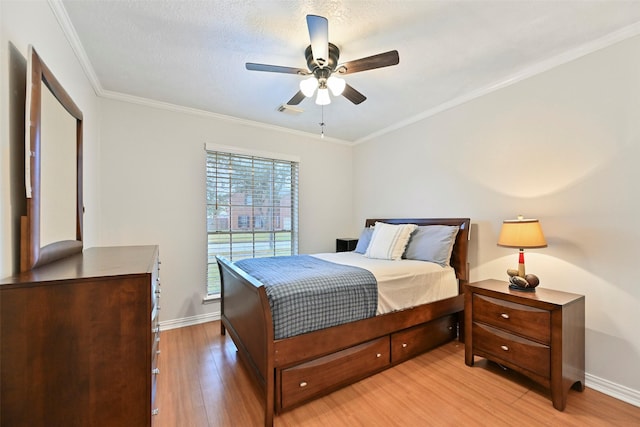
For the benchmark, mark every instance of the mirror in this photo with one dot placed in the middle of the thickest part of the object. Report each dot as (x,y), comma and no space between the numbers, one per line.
(52,228)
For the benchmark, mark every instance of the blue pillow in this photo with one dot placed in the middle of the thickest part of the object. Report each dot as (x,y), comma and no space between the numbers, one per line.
(432,243)
(364,240)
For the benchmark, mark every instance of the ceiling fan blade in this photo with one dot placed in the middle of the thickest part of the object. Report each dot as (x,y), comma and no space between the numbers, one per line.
(297,98)
(276,69)
(319,35)
(353,95)
(370,63)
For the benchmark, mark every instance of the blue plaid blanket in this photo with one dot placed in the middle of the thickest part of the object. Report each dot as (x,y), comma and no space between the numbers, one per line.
(307,293)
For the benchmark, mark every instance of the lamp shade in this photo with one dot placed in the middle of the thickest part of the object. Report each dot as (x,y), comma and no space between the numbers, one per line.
(521,233)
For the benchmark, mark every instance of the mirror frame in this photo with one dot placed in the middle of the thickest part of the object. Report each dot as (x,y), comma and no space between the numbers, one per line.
(32,254)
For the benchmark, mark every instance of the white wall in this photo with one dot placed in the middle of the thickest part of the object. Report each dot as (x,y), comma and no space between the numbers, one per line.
(562,147)
(24,23)
(153,191)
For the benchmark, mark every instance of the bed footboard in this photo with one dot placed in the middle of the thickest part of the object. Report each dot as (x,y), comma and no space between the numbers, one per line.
(246,316)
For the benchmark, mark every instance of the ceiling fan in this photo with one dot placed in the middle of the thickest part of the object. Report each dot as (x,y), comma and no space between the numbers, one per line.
(322,62)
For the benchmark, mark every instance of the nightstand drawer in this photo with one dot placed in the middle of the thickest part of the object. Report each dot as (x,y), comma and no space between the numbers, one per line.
(523,353)
(520,319)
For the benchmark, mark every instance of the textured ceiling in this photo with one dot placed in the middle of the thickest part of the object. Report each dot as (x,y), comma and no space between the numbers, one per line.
(192,53)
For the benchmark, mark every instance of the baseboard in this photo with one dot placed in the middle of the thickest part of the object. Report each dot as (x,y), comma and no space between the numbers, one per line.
(612,389)
(189,321)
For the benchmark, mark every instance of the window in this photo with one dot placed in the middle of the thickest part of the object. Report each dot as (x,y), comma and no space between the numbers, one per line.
(252,209)
(243,221)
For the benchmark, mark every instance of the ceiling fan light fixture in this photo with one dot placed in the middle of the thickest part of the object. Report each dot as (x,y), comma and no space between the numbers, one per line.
(308,86)
(323,67)
(323,97)
(336,84)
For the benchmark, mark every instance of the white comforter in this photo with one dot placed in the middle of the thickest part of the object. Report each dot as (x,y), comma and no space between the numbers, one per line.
(402,284)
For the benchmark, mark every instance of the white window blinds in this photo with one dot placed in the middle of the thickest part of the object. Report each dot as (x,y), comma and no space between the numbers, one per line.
(252,209)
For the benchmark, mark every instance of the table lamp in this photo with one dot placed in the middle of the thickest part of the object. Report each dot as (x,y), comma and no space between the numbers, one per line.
(521,233)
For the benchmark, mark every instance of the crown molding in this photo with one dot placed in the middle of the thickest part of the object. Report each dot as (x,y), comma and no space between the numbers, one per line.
(202,113)
(72,37)
(538,68)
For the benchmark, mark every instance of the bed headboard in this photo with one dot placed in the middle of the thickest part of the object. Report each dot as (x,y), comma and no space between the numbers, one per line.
(459,255)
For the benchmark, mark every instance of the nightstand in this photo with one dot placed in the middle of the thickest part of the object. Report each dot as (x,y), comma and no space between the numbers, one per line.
(539,334)
(346,244)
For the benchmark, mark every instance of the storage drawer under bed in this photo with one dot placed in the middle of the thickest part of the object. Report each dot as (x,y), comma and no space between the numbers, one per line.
(307,380)
(418,339)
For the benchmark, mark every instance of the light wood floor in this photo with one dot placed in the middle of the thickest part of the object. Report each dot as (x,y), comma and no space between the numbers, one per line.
(202,383)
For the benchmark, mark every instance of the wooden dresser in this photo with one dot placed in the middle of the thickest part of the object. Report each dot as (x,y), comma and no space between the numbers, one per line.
(539,334)
(79,340)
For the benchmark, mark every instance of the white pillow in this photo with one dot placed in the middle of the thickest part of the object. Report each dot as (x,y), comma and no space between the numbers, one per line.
(389,240)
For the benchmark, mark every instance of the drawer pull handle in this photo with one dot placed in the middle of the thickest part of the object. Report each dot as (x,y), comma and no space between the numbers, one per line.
(303,384)
(504,347)
(504,315)
(155,371)
(404,345)
(155,411)
(378,354)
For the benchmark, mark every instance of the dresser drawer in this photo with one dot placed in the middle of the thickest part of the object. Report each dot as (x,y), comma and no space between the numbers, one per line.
(155,334)
(155,288)
(413,341)
(515,350)
(307,380)
(155,371)
(155,344)
(520,319)
(154,407)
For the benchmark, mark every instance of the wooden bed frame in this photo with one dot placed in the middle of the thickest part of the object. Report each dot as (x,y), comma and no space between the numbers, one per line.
(294,370)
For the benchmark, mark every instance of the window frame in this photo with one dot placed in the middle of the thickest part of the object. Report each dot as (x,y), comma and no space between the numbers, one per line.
(261,156)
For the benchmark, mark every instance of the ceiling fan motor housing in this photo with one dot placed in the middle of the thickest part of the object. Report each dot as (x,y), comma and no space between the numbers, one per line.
(328,68)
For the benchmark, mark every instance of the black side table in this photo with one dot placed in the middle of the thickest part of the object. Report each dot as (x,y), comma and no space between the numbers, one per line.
(346,244)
